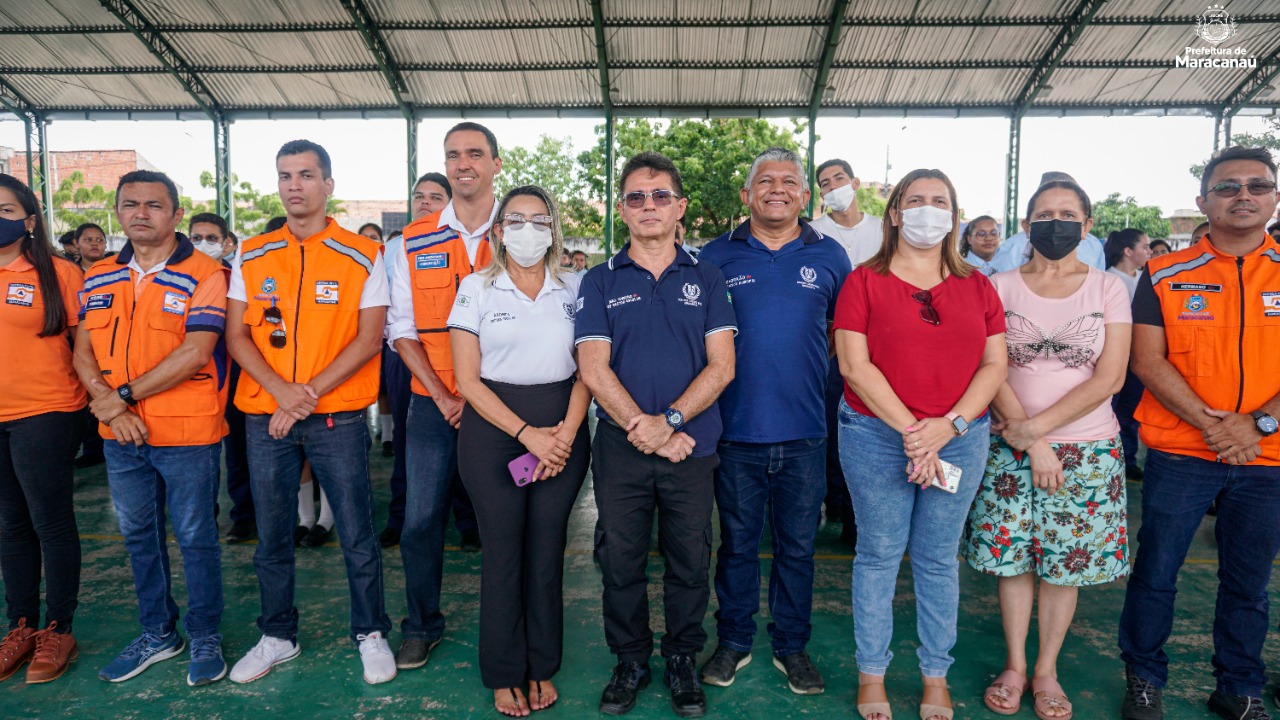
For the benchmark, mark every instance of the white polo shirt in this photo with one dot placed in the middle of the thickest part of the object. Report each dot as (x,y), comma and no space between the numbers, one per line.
(861,241)
(522,341)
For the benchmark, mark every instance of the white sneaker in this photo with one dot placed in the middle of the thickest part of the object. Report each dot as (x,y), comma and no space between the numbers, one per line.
(268,653)
(379,662)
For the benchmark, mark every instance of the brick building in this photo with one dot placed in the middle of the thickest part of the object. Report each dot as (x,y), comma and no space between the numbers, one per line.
(99,167)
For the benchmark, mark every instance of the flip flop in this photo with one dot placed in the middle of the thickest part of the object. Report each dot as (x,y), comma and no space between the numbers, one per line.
(874,707)
(538,683)
(931,703)
(1048,695)
(516,699)
(1009,685)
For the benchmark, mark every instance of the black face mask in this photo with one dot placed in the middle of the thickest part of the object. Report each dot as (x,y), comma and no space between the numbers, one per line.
(1055,239)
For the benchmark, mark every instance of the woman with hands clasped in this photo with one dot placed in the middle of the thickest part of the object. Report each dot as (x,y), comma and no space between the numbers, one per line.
(511,329)
(1052,502)
(920,337)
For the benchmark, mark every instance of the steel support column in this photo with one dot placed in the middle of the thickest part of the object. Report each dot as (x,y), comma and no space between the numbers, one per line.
(606,101)
(411,123)
(609,174)
(1012,161)
(1221,131)
(810,165)
(223,185)
(822,71)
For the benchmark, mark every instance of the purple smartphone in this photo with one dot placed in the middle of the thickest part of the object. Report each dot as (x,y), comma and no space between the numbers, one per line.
(522,469)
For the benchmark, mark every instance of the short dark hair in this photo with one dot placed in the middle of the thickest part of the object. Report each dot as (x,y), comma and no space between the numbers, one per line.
(275,223)
(438,179)
(476,127)
(834,162)
(1235,152)
(232,237)
(576,253)
(67,238)
(297,147)
(209,219)
(654,162)
(1154,243)
(1060,185)
(1273,228)
(88,226)
(1202,226)
(148,176)
(367,225)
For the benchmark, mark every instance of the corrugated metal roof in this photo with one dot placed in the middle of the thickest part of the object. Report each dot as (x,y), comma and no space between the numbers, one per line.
(697,55)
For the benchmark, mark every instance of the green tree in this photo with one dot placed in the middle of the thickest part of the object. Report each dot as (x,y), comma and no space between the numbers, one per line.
(1115,213)
(550,166)
(714,157)
(870,202)
(1268,138)
(75,204)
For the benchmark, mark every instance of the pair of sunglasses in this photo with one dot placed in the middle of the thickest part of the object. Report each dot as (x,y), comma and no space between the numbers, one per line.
(1231,188)
(661,198)
(275,317)
(928,313)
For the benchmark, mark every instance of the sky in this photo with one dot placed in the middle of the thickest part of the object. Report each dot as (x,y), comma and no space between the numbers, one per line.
(1143,157)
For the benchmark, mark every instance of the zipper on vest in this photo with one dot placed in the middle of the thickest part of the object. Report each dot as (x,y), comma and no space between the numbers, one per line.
(457,282)
(114,328)
(128,343)
(1240,347)
(297,309)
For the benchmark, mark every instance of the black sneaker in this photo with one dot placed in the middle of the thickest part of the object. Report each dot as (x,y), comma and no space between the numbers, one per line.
(724,665)
(242,531)
(470,541)
(299,534)
(1237,707)
(319,535)
(390,537)
(414,653)
(802,676)
(687,698)
(387,450)
(1142,700)
(628,679)
(1133,472)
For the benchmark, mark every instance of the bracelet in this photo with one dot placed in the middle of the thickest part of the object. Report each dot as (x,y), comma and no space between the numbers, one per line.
(522,429)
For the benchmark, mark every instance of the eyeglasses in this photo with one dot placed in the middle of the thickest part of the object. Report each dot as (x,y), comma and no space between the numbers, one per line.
(985,234)
(206,238)
(928,313)
(1231,188)
(661,198)
(515,221)
(275,317)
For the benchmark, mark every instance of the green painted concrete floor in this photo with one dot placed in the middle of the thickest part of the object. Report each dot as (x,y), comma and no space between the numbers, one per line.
(325,682)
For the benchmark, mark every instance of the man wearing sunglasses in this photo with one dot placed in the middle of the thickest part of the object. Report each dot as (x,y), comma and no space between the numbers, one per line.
(784,277)
(1206,330)
(426,266)
(654,330)
(307,304)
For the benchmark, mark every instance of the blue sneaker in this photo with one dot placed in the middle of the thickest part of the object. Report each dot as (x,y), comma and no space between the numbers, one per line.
(141,654)
(207,666)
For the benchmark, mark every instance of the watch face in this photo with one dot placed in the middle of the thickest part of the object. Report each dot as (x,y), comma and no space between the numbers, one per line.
(1268,424)
(678,418)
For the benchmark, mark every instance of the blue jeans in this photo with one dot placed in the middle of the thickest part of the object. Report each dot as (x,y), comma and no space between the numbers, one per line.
(1176,492)
(432,464)
(339,458)
(143,479)
(786,481)
(895,515)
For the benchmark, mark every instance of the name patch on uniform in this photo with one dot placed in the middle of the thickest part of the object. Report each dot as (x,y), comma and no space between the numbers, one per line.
(1271,304)
(101,301)
(624,300)
(734,282)
(326,292)
(175,303)
(1194,287)
(431,261)
(21,294)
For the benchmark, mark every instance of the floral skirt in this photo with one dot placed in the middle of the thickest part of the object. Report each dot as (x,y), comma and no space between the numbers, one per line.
(1075,537)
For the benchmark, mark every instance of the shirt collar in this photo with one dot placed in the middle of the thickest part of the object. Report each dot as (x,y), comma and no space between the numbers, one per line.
(504,282)
(1268,243)
(449,219)
(624,257)
(19,264)
(807,233)
(182,252)
(327,232)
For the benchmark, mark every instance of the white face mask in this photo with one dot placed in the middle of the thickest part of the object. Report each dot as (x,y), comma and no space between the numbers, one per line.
(211,248)
(527,246)
(924,227)
(839,199)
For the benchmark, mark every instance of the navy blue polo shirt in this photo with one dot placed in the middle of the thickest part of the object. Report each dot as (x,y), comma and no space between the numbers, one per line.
(658,328)
(784,300)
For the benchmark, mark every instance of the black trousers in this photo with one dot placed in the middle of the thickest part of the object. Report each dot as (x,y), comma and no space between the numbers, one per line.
(37,517)
(629,486)
(524,532)
(235,448)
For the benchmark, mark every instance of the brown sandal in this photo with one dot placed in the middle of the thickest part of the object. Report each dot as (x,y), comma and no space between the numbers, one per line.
(936,702)
(1008,686)
(876,705)
(1049,695)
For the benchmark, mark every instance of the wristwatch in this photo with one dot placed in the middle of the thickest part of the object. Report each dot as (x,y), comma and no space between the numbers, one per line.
(958,423)
(675,419)
(1266,424)
(126,394)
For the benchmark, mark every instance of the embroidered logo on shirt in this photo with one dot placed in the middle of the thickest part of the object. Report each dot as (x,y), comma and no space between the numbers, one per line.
(691,294)
(462,301)
(1071,342)
(568,310)
(102,301)
(807,278)
(1196,307)
(739,280)
(21,294)
(175,303)
(1271,304)
(624,300)
(431,261)
(581,302)
(268,286)
(326,292)
(498,317)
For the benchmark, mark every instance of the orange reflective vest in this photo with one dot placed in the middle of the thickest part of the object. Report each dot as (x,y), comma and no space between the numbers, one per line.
(437,263)
(1222,326)
(132,331)
(317,284)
